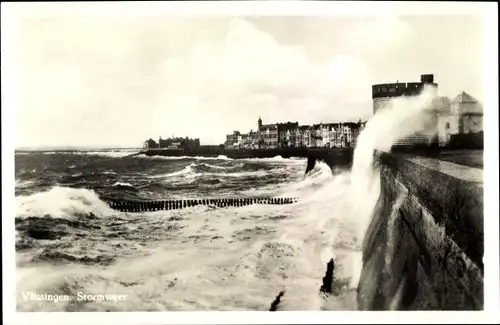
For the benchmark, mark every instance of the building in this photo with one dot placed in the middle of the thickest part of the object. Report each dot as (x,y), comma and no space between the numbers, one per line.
(268,135)
(316,139)
(300,136)
(462,115)
(287,134)
(237,140)
(232,140)
(176,143)
(382,95)
(293,135)
(150,144)
(254,139)
(356,131)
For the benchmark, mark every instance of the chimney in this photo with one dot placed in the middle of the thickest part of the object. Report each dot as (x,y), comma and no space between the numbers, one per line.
(427,78)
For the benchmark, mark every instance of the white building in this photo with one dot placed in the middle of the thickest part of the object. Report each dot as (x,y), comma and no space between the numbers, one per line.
(462,115)
(318,141)
(325,135)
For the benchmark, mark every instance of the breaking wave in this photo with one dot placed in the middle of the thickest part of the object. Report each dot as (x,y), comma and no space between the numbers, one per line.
(110,154)
(263,249)
(220,157)
(62,202)
(199,258)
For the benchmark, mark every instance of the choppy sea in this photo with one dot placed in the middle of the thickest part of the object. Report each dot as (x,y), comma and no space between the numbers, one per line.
(68,240)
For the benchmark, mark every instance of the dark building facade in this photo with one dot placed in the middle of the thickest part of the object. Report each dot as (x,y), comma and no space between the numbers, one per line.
(178,143)
(150,144)
(383,93)
(287,134)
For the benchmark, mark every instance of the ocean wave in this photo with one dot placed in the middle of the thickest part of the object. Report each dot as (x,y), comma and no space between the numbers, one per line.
(110,154)
(268,248)
(299,185)
(55,257)
(220,157)
(221,167)
(122,184)
(62,202)
(277,159)
(195,170)
(306,185)
(258,173)
(24,184)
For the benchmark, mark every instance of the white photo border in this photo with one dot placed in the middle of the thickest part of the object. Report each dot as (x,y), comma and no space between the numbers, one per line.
(489,11)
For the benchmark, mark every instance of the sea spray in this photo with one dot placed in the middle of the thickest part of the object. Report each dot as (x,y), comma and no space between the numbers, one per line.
(403,117)
(61,202)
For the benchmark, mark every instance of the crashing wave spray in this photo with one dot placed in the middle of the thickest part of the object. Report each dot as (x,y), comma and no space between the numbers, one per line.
(404,116)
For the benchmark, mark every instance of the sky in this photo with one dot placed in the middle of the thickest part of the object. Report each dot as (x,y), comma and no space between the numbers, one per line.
(118,81)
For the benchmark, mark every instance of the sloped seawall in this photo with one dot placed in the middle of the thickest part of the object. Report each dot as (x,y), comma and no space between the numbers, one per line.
(423,248)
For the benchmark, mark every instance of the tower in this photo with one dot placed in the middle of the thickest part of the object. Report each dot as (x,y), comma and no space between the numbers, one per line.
(382,95)
(259,123)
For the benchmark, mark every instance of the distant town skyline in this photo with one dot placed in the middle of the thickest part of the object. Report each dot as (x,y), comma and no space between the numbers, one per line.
(113,82)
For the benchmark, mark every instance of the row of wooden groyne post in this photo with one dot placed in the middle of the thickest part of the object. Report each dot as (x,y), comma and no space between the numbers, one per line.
(139,206)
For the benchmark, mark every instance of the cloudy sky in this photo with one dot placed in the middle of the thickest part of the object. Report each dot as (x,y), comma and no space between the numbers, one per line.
(117,81)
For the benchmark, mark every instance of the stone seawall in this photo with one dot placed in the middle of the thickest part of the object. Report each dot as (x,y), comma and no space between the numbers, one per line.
(423,248)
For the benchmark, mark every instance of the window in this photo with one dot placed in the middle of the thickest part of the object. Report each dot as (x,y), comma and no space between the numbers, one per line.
(447,125)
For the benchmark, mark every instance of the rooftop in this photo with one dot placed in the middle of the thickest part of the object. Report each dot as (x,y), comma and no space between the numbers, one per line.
(464,98)
(402,88)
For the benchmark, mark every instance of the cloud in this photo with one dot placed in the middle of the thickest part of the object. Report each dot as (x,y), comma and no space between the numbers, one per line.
(249,74)
(121,81)
(97,76)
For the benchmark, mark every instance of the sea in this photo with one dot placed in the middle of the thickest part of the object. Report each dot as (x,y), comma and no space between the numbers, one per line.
(70,243)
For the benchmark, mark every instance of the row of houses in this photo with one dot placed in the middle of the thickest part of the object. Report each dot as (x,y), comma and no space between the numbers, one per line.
(293,135)
(174,143)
